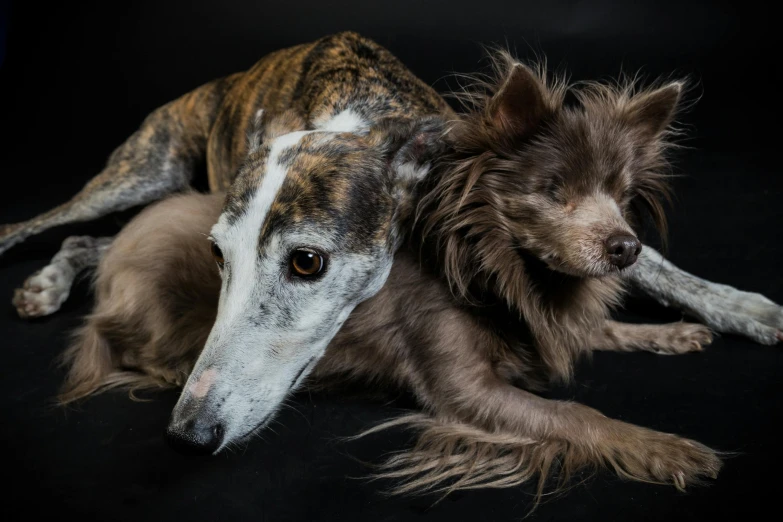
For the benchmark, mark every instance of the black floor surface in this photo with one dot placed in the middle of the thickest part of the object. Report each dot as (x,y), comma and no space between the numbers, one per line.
(78,79)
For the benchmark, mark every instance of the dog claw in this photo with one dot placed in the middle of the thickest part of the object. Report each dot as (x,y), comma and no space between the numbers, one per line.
(681,338)
(679,480)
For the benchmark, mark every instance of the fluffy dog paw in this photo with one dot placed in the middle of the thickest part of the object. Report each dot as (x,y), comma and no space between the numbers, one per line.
(683,462)
(666,459)
(679,338)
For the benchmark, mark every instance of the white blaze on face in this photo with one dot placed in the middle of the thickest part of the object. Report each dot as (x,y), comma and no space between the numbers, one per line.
(239,240)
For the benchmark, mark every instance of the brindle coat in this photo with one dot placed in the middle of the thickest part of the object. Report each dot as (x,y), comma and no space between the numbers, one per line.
(317,80)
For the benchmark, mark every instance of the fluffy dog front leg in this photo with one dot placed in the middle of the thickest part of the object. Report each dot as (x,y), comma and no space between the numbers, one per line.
(482,431)
(500,436)
(665,339)
(721,307)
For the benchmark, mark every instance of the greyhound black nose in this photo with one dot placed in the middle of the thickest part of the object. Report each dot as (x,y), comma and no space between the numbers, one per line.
(196,438)
(623,249)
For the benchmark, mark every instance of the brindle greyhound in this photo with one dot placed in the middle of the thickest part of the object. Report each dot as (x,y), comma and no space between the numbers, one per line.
(315,210)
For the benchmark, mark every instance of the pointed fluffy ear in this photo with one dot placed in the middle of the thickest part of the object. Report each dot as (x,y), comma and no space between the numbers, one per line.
(653,111)
(519,105)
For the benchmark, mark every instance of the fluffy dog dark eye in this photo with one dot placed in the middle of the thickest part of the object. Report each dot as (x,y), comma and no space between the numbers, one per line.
(306,264)
(552,190)
(218,255)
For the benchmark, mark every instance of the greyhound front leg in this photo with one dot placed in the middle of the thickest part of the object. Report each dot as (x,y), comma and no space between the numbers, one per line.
(46,290)
(721,307)
(666,339)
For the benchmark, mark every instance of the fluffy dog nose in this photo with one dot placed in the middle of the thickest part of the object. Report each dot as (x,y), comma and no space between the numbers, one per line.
(195,438)
(623,249)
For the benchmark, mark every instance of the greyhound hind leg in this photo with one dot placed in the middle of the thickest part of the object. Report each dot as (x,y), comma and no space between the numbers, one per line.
(140,171)
(155,161)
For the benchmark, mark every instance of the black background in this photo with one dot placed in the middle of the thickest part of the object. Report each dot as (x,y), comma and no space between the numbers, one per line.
(78,79)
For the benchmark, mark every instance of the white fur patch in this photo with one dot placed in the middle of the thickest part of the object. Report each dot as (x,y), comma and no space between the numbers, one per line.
(274,177)
(346,121)
(411,172)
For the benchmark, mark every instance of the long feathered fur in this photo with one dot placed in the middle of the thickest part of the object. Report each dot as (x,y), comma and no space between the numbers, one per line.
(450,455)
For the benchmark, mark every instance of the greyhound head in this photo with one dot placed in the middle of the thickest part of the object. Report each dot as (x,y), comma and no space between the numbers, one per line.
(308,231)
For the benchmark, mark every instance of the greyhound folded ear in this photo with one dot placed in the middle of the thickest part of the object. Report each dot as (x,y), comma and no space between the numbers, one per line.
(411,150)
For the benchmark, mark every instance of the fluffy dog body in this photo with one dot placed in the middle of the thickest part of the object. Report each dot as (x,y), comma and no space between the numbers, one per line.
(156,293)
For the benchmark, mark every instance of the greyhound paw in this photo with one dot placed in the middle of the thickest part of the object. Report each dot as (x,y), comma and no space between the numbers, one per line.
(726,309)
(754,316)
(43,293)
(762,330)
(771,319)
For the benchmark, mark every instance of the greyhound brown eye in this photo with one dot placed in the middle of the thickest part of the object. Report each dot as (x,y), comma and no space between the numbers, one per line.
(306,264)
(218,255)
